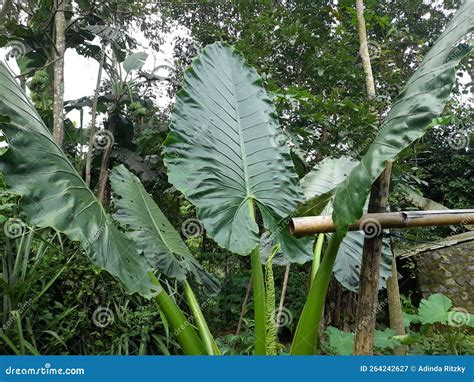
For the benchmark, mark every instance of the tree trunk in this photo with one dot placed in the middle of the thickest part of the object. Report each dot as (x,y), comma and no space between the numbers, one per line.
(370,270)
(58,81)
(244,307)
(5,9)
(282,296)
(93,118)
(102,191)
(364,49)
(394,306)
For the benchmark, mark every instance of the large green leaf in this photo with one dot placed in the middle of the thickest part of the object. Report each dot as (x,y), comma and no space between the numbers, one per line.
(224,153)
(342,343)
(54,195)
(434,309)
(135,61)
(422,99)
(349,261)
(319,186)
(150,230)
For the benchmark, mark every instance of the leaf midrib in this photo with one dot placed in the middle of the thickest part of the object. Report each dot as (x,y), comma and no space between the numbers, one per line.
(242,146)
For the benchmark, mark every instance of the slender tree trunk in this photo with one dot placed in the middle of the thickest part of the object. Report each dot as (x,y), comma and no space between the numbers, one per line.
(93,118)
(369,274)
(370,269)
(58,68)
(244,307)
(364,50)
(394,306)
(283,294)
(102,193)
(5,9)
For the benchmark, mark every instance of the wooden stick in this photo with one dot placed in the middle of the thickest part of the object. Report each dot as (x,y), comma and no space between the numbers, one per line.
(374,223)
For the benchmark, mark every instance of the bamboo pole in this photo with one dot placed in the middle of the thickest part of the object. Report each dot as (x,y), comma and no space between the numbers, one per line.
(371,223)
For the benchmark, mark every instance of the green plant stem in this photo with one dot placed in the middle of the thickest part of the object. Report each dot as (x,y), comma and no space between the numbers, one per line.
(200,321)
(182,328)
(317,256)
(304,342)
(258,302)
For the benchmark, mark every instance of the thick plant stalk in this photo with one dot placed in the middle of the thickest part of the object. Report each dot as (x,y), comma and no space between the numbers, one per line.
(93,118)
(258,302)
(182,328)
(283,294)
(304,342)
(370,270)
(244,307)
(395,307)
(200,321)
(317,256)
(258,296)
(58,69)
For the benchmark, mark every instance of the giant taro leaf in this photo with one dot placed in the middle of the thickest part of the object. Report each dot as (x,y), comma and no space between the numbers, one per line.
(54,195)
(319,186)
(422,100)
(224,155)
(147,226)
